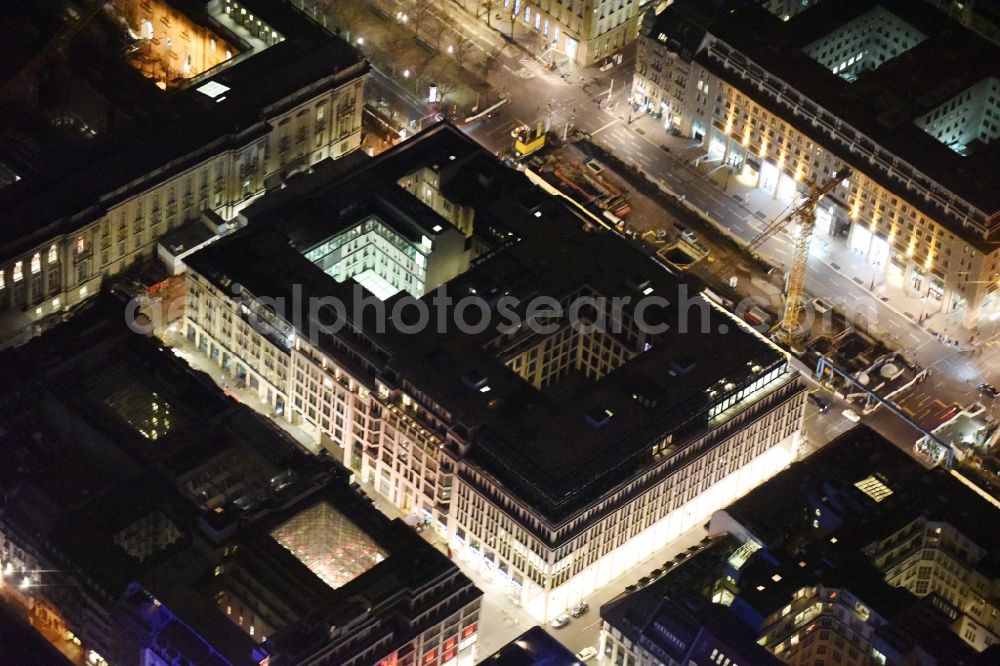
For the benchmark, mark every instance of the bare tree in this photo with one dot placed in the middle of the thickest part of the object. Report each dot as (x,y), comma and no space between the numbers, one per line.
(460,49)
(435,32)
(485,8)
(396,42)
(491,59)
(424,67)
(421,12)
(513,22)
(350,15)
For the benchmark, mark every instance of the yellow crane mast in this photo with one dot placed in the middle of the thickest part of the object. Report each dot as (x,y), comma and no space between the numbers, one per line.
(788,330)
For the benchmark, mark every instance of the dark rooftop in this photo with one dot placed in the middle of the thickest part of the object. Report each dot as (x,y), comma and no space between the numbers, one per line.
(535,647)
(781,510)
(66,182)
(680,601)
(538,441)
(89,487)
(795,553)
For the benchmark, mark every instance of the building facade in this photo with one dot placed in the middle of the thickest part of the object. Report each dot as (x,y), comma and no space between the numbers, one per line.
(582,31)
(550,566)
(931,557)
(418,419)
(821,624)
(916,209)
(110,223)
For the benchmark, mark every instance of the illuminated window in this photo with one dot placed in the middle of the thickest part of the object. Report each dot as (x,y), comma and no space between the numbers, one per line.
(36,264)
(53,254)
(18,271)
(2,285)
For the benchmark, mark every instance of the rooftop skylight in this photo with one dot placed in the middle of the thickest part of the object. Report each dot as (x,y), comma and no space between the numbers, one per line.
(329,544)
(874,488)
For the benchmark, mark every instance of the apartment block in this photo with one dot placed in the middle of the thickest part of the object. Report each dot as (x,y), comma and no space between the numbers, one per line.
(118,147)
(497,436)
(783,98)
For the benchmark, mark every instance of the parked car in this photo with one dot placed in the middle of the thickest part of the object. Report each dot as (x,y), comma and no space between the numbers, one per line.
(686,234)
(586,653)
(821,306)
(821,404)
(989,390)
(851,415)
(579,609)
(560,621)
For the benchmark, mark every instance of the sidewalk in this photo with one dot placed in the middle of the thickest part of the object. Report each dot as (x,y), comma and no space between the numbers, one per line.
(923,311)
(225,381)
(416,55)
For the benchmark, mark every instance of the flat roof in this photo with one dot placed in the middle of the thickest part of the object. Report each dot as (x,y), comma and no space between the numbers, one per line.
(535,647)
(679,601)
(882,103)
(833,481)
(66,183)
(537,441)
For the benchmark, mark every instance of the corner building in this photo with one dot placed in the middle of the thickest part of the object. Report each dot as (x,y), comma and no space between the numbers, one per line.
(551,456)
(116,148)
(581,31)
(899,92)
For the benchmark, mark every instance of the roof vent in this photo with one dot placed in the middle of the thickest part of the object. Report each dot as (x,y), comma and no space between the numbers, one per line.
(638,282)
(597,417)
(475,380)
(645,391)
(682,365)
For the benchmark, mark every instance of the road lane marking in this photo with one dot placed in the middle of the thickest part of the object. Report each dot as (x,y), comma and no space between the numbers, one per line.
(603,128)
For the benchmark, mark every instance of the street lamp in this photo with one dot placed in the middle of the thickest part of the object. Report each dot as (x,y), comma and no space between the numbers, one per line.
(361,41)
(451,49)
(406,73)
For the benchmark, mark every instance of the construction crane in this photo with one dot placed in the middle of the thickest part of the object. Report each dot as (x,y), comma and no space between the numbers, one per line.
(788,331)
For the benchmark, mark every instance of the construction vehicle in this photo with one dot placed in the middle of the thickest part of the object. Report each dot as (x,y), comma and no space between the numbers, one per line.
(596,190)
(528,141)
(788,330)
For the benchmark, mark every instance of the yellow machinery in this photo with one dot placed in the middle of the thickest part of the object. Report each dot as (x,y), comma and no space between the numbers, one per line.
(788,330)
(527,141)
